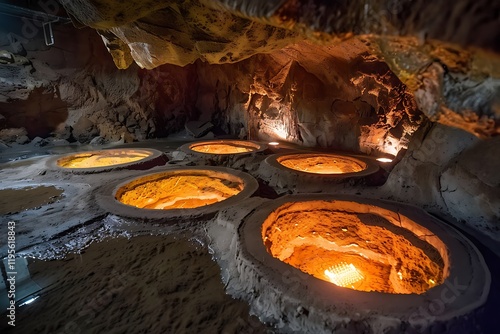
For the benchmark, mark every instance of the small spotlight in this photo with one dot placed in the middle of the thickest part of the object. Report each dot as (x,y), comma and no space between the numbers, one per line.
(273,143)
(29,301)
(384,160)
(343,274)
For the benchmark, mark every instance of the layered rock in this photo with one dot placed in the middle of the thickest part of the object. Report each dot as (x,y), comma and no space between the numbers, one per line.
(341,98)
(447,170)
(454,83)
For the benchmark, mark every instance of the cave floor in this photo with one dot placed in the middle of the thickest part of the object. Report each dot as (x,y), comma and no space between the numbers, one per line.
(96,272)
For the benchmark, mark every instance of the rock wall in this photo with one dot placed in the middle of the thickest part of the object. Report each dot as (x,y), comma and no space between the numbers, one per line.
(450,171)
(67,91)
(73,91)
(344,99)
(437,50)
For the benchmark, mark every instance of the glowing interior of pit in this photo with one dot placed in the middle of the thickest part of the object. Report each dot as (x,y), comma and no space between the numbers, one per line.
(322,163)
(359,250)
(343,274)
(172,191)
(102,158)
(227,147)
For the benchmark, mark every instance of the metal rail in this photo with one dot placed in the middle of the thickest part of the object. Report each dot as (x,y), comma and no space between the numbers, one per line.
(35,15)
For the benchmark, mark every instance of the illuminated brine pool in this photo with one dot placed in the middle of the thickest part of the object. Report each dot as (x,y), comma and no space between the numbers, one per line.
(353,246)
(102,158)
(225,147)
(325,262)
(317,163)
(178,192)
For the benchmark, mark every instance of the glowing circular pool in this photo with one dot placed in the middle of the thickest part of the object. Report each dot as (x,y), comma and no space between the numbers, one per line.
(168,191)
(181,191)
(354,246)
(104,160)
(224,147)
(313,171)
(317,163)
(325,262)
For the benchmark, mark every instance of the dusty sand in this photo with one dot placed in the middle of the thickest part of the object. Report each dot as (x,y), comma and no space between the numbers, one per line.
(148,284)
(16,200)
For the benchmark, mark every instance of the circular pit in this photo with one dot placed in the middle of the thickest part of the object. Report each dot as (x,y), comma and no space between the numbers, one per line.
(184,192)
(105,160)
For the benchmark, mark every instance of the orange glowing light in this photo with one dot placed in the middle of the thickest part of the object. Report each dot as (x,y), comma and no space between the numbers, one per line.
(343,274)
(225,147)
(384,160)
(102,158)
(313,235)
(274,143)
(322,163)
(178,192)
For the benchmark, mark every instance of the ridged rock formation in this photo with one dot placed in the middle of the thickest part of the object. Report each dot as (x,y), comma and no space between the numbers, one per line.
(444,54)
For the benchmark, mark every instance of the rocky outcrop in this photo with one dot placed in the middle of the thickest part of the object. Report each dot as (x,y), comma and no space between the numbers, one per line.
(209,29)
(471,189)
(448,170)
(179,32)
(421,42)
(77,94)
(453,86)
(340,98)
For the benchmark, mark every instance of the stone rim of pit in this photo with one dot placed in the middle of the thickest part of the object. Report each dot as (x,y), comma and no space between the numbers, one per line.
(154,158)
(260,272)
(108,201)
(370,166)
(256,147)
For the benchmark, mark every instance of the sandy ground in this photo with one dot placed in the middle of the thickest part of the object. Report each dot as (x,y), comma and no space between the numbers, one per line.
(153,284)
(15,200)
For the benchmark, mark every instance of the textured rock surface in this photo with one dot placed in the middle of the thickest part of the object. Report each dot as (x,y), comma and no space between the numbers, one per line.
(452,86)
(178,32)
(421,41)
(471,189)
(201,28)
(448,170)
(335,97)
(76,93)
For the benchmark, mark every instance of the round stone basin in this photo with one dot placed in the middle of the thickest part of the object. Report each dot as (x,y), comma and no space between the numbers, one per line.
(104,160)
(354,246)
(225,147)
(306,172)
(178,191)
(325,262)
(181,191)
(317,163)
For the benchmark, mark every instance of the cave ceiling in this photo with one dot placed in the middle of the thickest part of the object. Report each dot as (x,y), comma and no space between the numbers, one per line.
(446,55)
